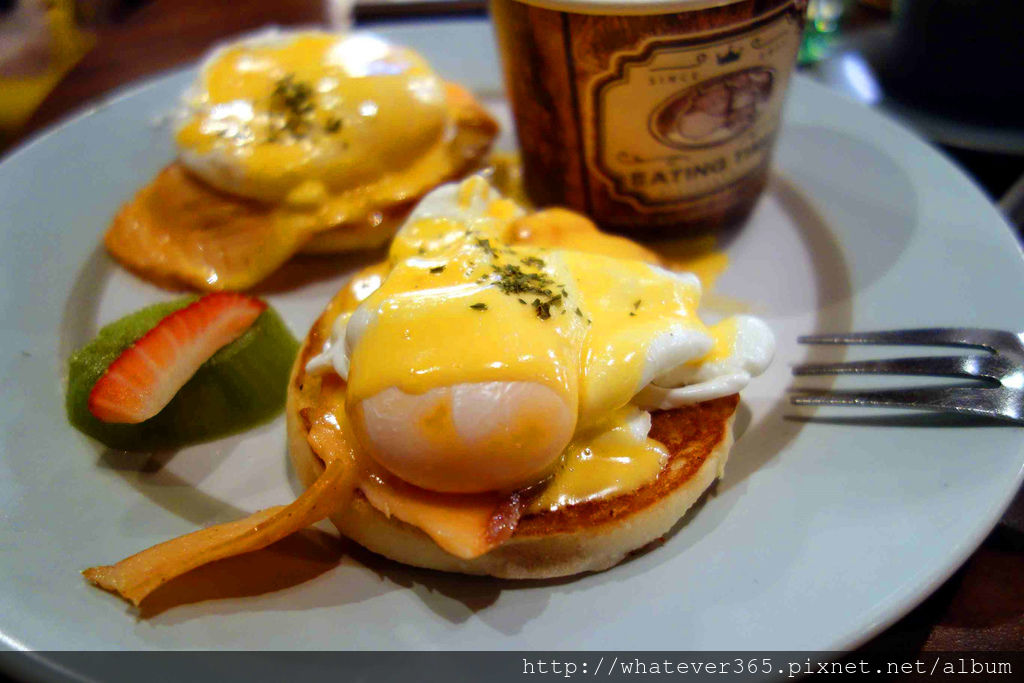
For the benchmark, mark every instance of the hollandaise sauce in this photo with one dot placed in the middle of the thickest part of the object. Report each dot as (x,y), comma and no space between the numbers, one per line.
(303,115)
(499,350)
(609,459)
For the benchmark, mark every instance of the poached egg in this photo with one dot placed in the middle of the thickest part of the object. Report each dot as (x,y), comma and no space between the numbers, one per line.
(297,141)
(481,360)
(297,116)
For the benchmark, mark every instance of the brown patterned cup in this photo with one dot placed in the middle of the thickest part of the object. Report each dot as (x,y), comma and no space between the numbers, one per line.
(656,118)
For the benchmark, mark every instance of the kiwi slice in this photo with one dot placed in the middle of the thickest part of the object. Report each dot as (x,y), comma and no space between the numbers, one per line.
(242,385)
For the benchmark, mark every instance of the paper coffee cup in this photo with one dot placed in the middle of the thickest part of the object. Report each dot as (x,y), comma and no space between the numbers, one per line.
(654,118)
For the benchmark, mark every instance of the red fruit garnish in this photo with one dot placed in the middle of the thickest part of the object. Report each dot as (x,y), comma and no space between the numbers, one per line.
(147,375)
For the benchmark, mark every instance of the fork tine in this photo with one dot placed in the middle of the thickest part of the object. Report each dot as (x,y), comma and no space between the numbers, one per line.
(935,336)
(989,367)
(995,402)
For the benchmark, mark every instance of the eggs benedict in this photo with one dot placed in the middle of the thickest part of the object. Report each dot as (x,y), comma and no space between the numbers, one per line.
(296,141)
(527,396)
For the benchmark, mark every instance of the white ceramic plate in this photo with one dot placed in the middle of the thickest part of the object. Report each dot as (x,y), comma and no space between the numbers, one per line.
(820,534)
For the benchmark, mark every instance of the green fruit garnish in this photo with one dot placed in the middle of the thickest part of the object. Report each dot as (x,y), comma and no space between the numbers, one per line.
(242,385)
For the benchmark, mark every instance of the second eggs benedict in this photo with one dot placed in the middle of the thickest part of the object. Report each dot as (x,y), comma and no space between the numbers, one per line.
(297,141)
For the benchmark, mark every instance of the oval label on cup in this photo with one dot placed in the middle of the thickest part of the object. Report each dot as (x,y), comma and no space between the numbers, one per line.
(714,110)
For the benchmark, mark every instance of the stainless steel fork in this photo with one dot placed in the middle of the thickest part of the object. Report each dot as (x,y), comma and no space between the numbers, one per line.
(1001,395)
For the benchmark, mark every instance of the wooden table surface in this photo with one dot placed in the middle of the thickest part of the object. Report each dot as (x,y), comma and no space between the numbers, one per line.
(980,608)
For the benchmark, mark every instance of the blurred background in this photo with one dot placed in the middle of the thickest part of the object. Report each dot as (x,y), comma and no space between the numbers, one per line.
(952,70)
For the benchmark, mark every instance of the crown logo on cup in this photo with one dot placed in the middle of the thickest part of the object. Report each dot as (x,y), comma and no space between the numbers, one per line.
(729,57)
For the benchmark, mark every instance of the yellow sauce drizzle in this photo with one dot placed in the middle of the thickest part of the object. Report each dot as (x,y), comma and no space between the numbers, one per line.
(604,461)
(724,334)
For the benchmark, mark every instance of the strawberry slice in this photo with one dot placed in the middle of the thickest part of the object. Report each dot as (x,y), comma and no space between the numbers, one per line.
(147,375)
